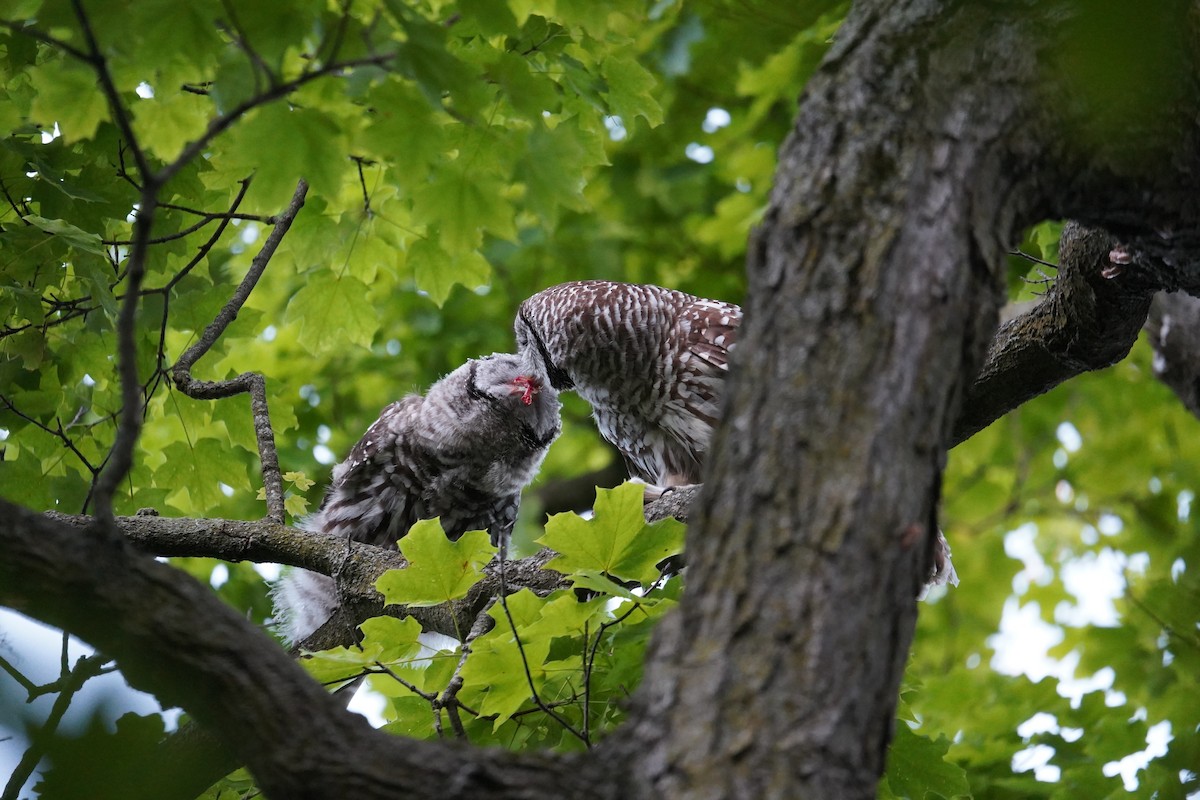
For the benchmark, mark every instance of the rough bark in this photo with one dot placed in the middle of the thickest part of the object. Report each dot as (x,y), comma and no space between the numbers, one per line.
(922,147)
(1174,329)
(298,741)
(354,565)
(1088,320)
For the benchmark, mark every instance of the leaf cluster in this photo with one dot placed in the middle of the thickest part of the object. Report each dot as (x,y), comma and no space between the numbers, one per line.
(549,670)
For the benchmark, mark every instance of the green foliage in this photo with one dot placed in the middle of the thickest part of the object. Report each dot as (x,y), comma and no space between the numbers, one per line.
(1107,568)
(439,570)
(616,542)
(552,671)
(462,155)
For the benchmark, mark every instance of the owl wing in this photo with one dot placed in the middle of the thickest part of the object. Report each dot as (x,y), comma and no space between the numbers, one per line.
(706,331)
(372,496)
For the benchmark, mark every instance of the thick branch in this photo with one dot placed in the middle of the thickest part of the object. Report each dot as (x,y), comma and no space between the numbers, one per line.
(1088,320)
(297,740)
(354,565)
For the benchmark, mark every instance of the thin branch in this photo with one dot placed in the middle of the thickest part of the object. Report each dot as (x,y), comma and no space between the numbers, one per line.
(339,33)
(449,698)
(251,382)
(45,38)
(57,433)
(115,104)
(14,673)
(1028,257)
(129,424)
(590,662)
(165,291)
(383,669)
(238,34)
(537,700)
(21,211)
(170,237)
(359,162)
(44,325)
(69,682)
(267,220)
(1184,637)
(74,308)
(218,125)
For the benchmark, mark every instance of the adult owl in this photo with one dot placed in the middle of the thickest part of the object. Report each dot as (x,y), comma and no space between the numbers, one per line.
(463,453)
(652,363)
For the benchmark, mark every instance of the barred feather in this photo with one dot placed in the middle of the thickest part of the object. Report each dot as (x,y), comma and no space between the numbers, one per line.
(463,453)
(652,363)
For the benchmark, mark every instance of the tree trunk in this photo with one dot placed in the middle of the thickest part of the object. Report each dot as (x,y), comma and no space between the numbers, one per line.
(922,147)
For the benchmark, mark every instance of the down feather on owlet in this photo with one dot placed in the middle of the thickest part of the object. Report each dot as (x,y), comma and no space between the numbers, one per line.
(652,364)
(463,453)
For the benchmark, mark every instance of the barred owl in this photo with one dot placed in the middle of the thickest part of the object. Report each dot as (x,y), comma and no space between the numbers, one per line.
(651,362)
(463,452)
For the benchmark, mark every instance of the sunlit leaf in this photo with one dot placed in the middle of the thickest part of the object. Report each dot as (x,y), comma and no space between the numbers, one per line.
(331,311)
(438,570)
(616,541)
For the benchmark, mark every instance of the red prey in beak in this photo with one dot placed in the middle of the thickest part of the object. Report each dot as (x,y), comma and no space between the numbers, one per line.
(528,386)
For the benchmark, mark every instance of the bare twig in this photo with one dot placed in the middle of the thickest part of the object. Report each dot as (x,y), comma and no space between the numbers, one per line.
(1029,257)
(231,214)
(1181,636)
(238,34)
(21,211)
(113,97)
(448,699)
(359,161)
(14,673)
(148,183)
(22,28)
(537,700)
(383,669)
(170,237)
(251,382)
(56,432)
(590,662)
(152,383)
(69,682)
(219,124)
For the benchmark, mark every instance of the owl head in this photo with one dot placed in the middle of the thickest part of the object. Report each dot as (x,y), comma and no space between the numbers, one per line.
(516,384)
(532,344)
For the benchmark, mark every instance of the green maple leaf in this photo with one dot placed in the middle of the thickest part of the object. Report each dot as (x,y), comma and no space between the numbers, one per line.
(439,570)
(332,310)
(436,271)
(617,541)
